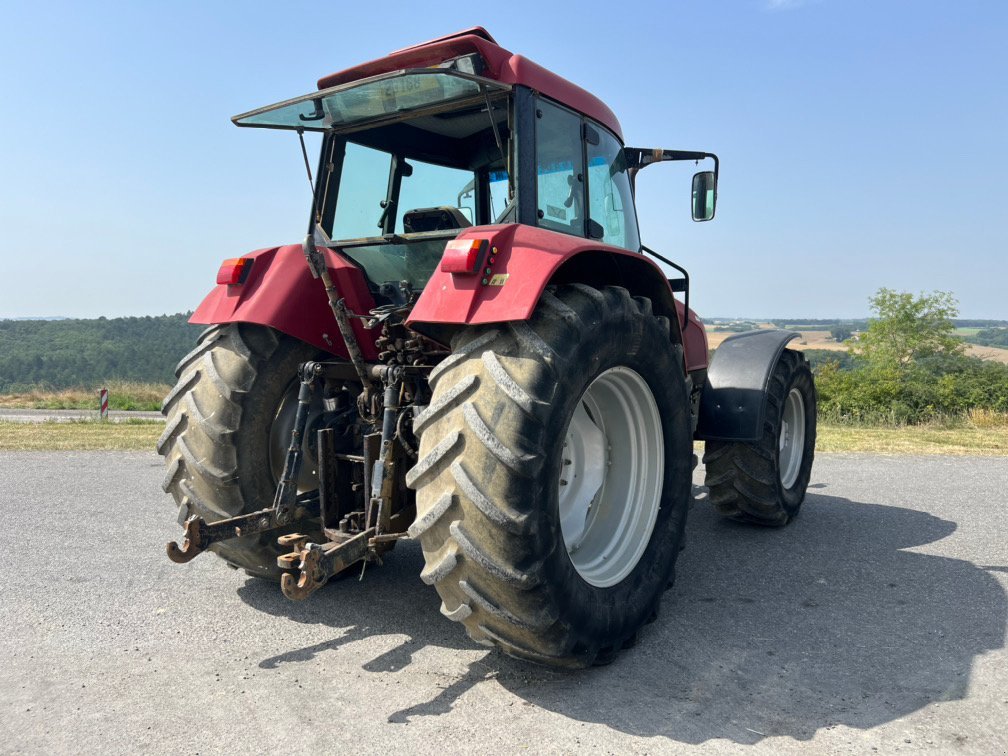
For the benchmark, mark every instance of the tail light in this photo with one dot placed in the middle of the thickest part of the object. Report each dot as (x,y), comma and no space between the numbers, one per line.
(464,256)
(234,271)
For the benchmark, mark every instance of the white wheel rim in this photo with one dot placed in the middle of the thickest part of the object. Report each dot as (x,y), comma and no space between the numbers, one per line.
(611,477)
(791,445)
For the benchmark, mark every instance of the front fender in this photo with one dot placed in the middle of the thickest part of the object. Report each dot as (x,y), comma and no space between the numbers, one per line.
(280,292)
(733,402)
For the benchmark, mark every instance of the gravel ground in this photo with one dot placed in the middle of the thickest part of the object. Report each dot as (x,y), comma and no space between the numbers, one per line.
(875,621)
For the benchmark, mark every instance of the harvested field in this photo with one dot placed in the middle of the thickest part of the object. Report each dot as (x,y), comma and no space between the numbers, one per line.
(987,353)
(808,340)
(823,340)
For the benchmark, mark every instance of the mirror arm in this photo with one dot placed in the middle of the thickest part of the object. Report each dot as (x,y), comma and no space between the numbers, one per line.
(639,158)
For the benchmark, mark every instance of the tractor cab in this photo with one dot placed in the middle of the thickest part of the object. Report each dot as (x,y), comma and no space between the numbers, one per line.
(413,156)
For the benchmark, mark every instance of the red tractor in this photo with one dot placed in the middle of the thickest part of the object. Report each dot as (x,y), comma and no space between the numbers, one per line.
(473,349)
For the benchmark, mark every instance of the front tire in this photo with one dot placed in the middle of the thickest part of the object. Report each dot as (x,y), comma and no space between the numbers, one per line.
(224,419)
(764,482)
(498,536)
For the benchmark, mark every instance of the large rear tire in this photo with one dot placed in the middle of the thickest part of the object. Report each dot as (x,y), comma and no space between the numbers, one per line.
(764,482)
(559,578)
(225,418)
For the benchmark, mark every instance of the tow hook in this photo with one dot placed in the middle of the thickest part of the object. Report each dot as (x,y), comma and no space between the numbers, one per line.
(317,563)
(200,534)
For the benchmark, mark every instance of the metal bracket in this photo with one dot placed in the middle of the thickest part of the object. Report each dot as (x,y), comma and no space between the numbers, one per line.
(316,563)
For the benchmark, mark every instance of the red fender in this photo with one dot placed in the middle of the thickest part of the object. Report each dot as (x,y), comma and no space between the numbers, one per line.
(279,292)
(525,260)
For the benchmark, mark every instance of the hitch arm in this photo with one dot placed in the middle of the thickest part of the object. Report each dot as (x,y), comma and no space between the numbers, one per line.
(287,504)
(200,534)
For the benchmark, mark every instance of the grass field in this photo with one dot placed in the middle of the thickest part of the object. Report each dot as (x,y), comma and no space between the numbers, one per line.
(82,435)
(123,395)
(965,438)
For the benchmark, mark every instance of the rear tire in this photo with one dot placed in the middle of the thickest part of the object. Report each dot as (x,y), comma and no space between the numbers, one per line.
(490,465)
(216,441)
(764,482)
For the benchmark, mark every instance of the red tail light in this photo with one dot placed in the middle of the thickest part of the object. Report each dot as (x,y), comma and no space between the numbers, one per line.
(464,256)
(234,271)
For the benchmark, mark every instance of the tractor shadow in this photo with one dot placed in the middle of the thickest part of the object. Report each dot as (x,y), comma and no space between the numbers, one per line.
(830,621)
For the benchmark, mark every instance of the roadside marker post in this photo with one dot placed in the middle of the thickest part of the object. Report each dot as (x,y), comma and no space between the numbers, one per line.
(103,403)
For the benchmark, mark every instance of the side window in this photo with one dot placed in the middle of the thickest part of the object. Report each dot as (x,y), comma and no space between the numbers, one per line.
(363,184)
(609,196)
(559,169)
(498,194)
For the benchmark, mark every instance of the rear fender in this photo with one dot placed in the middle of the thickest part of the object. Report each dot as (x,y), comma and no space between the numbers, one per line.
(280,292)
(525,260)
(733,401)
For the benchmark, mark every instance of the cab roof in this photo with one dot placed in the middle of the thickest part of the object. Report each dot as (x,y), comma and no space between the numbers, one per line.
(501,65)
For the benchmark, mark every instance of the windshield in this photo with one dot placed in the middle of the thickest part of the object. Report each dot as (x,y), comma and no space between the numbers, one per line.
(412,261)
(378,98)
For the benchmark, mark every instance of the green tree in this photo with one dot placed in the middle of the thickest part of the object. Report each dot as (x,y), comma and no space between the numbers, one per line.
(907,328)
(841,333)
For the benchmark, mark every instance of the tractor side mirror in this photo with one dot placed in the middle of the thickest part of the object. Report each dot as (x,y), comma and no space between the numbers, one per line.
(704,195)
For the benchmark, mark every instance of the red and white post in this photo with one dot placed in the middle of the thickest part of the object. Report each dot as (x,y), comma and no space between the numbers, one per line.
(103,403)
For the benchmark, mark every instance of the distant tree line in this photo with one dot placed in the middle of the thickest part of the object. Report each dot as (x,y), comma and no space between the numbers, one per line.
(906,366)
(62,354)
(995,337)
(821,324)
(860,324)
(961,323)
(735,326)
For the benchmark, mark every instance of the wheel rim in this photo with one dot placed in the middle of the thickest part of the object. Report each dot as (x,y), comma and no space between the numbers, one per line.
(791,445)
(280,438)
(611,477)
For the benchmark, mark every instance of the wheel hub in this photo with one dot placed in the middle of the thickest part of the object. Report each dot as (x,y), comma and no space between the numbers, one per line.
(611,476)
(584,471)
(791,445)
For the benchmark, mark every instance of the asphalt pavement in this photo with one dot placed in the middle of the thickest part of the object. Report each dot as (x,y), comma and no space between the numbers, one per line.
(875,621)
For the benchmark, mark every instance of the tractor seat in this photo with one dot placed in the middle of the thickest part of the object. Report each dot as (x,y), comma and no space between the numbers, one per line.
(445,218)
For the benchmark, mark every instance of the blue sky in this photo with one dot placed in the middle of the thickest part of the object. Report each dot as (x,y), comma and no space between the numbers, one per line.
(862,143)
